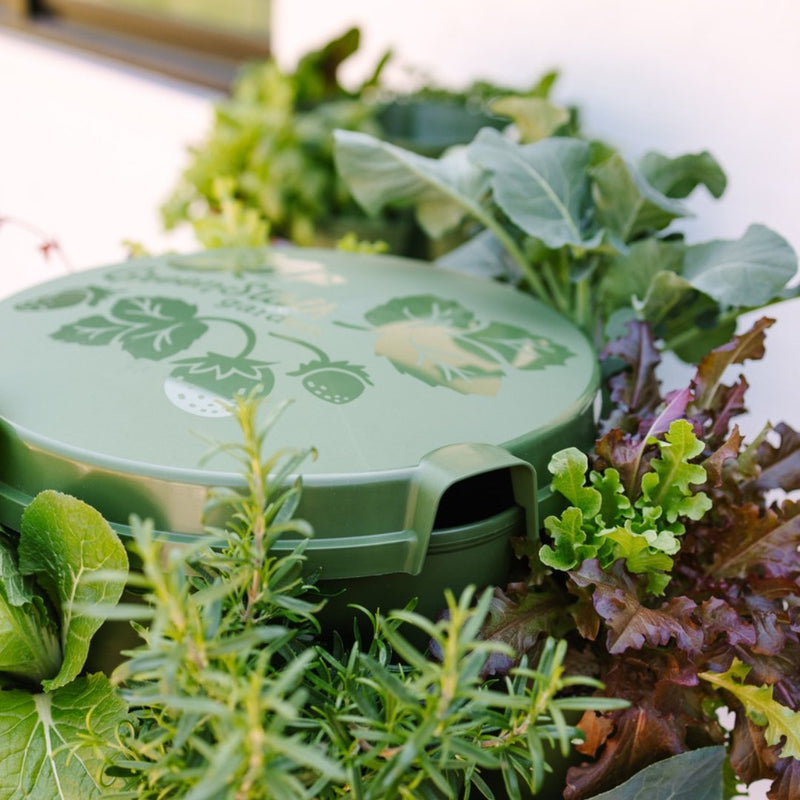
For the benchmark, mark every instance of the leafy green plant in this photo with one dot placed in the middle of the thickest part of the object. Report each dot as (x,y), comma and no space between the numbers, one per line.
(266,166)
(48,713)
(676,566)
(233,694)
(578,226)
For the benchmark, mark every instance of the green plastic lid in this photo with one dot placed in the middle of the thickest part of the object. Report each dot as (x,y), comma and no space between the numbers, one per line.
(407,379)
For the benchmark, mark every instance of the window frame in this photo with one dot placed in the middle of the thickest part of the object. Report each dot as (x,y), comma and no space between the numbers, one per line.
(188,51)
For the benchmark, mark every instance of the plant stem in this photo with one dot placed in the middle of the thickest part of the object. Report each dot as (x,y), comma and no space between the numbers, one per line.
(558,300)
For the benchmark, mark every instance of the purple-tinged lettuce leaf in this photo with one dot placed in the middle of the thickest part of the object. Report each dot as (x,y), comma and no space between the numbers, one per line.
(520,619)
(710,371)
(720,618)
(726,452)
(635,391)
(642,736)
(786,785)
(632,625)
(780,466)
(759,543)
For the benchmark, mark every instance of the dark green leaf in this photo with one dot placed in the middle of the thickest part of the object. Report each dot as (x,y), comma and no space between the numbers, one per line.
(543,187)
(378,173)
(679,177)
(744,273)
(630,275)
(95,330)
(627,204)
(695,775)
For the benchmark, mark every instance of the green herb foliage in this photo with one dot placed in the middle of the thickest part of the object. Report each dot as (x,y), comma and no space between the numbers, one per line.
(233,693)
(265,167)
(577,225)
(66,561)
(701,611)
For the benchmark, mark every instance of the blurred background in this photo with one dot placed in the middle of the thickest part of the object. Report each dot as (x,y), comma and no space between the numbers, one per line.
(98,109)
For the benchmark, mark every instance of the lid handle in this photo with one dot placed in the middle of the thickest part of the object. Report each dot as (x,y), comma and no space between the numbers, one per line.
(443,468)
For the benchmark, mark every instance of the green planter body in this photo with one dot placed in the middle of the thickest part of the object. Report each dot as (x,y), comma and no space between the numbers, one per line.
(434,402)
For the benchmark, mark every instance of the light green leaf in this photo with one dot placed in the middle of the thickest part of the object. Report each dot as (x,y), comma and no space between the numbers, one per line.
(29,646)
(63,542)
(782,725)
(615,506)
(443,190)
(568,468)
(627,204)
(569,539)
(669,483)
(535,117)
(46,754)
(745,273)
(694,775)
(679,177)
(543,187)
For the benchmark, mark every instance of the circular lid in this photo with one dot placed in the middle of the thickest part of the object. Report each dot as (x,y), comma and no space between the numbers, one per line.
(117,373)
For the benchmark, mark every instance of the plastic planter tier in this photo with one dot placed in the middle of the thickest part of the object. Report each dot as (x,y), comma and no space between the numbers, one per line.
(434,401)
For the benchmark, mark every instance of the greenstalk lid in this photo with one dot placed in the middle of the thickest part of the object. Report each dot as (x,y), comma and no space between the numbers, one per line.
(116,379)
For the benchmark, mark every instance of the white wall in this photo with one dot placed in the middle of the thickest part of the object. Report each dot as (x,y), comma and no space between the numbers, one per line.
(88,150)
(676,76)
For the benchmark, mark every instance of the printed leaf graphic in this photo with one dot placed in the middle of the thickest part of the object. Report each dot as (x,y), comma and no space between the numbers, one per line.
(782,725)
(694,775)
(91,295)
(158,327)
(420,336)
(95,330)
(519,348)
(542,187)
(63,542)
(44,754)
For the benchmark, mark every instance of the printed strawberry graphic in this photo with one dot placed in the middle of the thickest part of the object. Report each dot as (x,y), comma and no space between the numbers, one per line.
(336,382)
(206,385)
